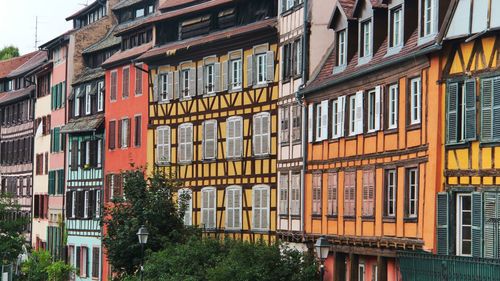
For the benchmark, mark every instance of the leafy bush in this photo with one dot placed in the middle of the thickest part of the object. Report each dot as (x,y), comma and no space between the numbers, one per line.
(40,267)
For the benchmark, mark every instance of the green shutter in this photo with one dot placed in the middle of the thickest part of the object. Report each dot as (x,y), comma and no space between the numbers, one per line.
(63,94)
(477,224)
(52,182)
(52,96)
(60,182)
(451,112)
(57,145)
(442,223)
(470,110)
(490,212)
(486,110)
(496,109)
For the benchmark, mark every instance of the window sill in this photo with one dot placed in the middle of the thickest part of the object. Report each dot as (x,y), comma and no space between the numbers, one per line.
(295,217)
(264,156)
(297,142)
(338,69)
(283,216)
(208,95)
(410,220)
(234,159)
(261,231)
(416,126)
(282,144)
(368,218)
(464,144)
(316,216)
(393,50)
(232,230)
(234,90)
(371,133)
(163,164)
(332,217)
(351,137)
(364,60)
(349,218)
(206,161)
(391,131)
(488,143)
(186,163)
(426,39)
(388,219)
(260,85)
(163,101)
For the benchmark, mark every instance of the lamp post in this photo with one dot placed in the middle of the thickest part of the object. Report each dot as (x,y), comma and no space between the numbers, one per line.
(142,234)
(322,249)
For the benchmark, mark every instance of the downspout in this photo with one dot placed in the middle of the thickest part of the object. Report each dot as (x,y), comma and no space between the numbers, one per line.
(63,215)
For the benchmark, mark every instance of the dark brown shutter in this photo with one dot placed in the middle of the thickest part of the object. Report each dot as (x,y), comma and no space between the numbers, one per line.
(129,130)
(93,153)
(112,135)
(46,163)
(74,155)
(138,128)
(47,130)
(69,199)
(106,188)
(120,124)
(91,207)
(83,153)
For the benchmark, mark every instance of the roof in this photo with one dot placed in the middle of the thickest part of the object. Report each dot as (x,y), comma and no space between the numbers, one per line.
(374,3)
(85,9)
(59,39)
(126,26)
(89,74)
(326,76)
(109,40)
(125,3)
(344,6)
(170,4)
(127,55)
(35,61)
(83,124)
(7,66)
(183,11)
(11,96)
(172,47)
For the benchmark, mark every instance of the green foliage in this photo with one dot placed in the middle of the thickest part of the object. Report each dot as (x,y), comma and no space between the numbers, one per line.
(9,52)
(215,260)
(149,202)
(11,228)
(40,267)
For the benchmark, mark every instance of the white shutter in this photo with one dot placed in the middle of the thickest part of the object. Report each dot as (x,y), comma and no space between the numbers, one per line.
(230,208)
(192,82)
(265,209)
(176,84)
(155,87)
(230,141)
(265,123)
(166,142)
(250,76)
(225,76)
(238,132)
(359,113)
(378,114)
(170,85)
(257,135)
(209,139)
(270,66)
(201,84)
(324,120)
(237,208)
(217,78)
(256,208)
(212,202)
(189,141)
(341,115)
(159,145)
(310,120)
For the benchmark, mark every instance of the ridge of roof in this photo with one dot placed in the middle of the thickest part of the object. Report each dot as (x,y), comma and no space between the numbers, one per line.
(9,65)
(35,61)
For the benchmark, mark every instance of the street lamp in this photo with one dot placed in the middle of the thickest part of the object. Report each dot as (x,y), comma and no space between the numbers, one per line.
(322,249)
(142,234)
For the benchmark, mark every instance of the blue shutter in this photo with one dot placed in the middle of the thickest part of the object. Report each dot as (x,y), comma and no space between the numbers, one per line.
(490,212)
(477,224)
(486,110)
(451,112)
(496,109)
(470,110)
(442,223)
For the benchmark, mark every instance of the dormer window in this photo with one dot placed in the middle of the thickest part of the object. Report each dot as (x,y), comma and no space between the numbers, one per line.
(341,48)
(365,41)
(396,27)
(428,19)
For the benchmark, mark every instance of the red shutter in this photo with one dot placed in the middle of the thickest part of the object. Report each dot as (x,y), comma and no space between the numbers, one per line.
(112,135)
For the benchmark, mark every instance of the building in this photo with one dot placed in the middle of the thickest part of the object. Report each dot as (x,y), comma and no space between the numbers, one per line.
(18,89)
(84,134)
(127,103)
(213,112)
(374,147)
(301,50)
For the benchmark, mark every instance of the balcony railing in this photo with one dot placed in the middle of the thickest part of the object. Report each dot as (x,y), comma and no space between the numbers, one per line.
(428,267)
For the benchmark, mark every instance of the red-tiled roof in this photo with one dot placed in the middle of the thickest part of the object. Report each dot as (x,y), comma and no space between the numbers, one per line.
(39,58)
(348,6)
(169,4)
(6,97)
(171,48)
(7,66)
(126,55)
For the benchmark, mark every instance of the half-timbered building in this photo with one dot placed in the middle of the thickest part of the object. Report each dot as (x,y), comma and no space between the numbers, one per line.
(373,149)
(16,133)
(213,114)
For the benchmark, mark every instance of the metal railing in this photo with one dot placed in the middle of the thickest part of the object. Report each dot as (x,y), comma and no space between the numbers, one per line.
(429,267)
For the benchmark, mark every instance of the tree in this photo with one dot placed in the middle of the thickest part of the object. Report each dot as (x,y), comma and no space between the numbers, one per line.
(9,52)
(40,267)
(149,202)
(12,226)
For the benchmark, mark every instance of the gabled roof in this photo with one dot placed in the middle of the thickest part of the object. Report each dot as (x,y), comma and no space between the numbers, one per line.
(34,62)
(344,7)
(86,9)
(58,40)
(7,66)
(127,55)
(374,3)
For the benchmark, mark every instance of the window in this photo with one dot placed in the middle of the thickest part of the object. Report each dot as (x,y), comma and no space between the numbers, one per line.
(283,194)
(208,207)
(295,195)
(210,79)
(261,68)
(100,96)
(285,124)
(316,194)
(126,83)
(83,262)
(371,111)
(99,153)
(361,272)
(292,59)
(164,87)
(350,194)
(365,39)
(415,101)
(261,134)
(184,81)
(236,77)
(356,114)
(297,57)
(97,203)
(428,17)
(287,61)
(114,83)
(412,193)
(163,145)
(95,262)
(296,123)
(461,111)
(86,150)
(125,133)
(86,205)
(260,207)
(233,207)
(139,12)
(185,202)
(112,135)
(77,104)
(332,194)
(88,101)
(185,143)
(392,114)
(234,137)
(138,131)
(396,28)
(338,106)
(391,183)
(464,225)
(490,110)
(368,193)
(73,204)
(341,48)
(210,139)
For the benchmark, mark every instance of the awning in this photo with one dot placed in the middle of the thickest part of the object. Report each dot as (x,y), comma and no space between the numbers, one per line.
(84,124)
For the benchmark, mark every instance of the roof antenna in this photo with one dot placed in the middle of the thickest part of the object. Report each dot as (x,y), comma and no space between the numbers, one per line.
(36,32)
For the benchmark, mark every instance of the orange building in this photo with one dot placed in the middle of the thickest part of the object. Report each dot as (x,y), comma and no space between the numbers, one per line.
(374,137)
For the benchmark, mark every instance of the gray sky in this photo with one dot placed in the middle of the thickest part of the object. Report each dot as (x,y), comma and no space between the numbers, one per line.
(17,21)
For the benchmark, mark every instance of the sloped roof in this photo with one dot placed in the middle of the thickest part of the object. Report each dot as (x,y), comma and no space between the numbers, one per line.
(124,4)
(11,96)
(35,61)
(348,6)
(89,74)
(84,9)
(7,66)
(127,55)
(57,40)
(107,41)
(83,124)
(170,4)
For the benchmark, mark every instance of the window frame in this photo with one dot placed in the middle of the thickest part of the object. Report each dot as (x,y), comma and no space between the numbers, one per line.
(415,120)
(317,192)
(459,224)
(236,140)
(261,69)
(189,207)
(163,89)
(213,209)
(165,146)
(393,44)
(352,115)
(184,83)
(350,201)
(187,144)
(209,71)
(412,195)
(236,74)
(285,125)
(267,189)
(204,140)
(125,134)
(100,96)
(341,48)
(237,210)
(264,151)
(284,194)
(390,192)
(365,46)
(393,109)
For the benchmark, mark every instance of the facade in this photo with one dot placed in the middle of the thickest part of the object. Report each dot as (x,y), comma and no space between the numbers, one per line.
(373,154)
(297,63)
(213,113)
(17,99)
